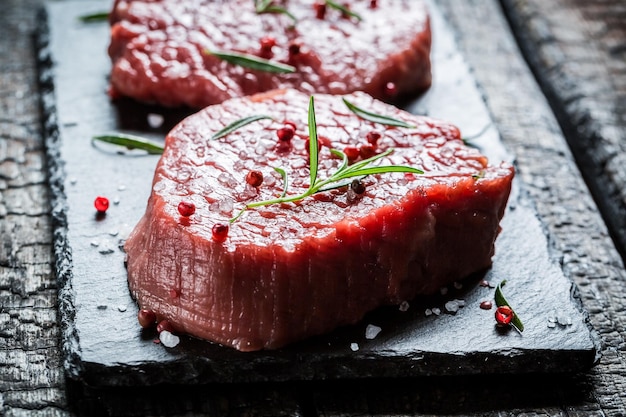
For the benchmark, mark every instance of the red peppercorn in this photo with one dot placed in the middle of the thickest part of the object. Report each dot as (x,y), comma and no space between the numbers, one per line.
(254,178)
(486,305)
(372,137)
(373,4)
(352,153)
(285,133)
(267,43)
(320,10)
(367,150)
(390,89)
(219,232)
(186,208)
(146,318)
(101,204)
(174,293)
(504,315)
(165,325)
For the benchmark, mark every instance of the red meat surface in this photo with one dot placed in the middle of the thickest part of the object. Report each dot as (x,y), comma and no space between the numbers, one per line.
(289,271)
(158,49)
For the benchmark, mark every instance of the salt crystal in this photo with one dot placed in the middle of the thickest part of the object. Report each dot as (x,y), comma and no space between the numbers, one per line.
(73,180)
(404,306)
(101,307)
(95,243)
(428,312)
(121,187)
(116,200)
(228,180)
(239,165)
(121,309)
(564,320)
(155,120)
(226,206)
(372,331)
(551,325)
(114,233)
(436,311)
(443,290)
(451,307)
(168,339)
(460,303)
(458,285)
(354,347)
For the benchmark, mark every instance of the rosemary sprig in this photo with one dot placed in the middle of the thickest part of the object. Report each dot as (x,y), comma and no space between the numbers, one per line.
(252,62)
(501,301)
(343,9)
(267,6)
(375,117)
(337,179)
(238,124)
(94,17)
(131,142)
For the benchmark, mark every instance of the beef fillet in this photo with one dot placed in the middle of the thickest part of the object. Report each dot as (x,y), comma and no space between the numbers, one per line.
(289,271)
(159,49)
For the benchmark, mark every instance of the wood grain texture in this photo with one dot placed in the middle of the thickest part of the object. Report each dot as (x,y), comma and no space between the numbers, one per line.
(577,50)
(31,378)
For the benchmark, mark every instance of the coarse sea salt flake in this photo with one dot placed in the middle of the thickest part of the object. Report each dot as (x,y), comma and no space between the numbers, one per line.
(404,306)
(371,331)
(168,339)
(155,120)
(354,347)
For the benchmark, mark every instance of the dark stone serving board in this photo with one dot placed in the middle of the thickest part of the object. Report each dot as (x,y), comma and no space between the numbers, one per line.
(103,343)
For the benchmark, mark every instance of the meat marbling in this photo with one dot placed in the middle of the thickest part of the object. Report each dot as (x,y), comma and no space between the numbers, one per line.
(290,271)
(158,49)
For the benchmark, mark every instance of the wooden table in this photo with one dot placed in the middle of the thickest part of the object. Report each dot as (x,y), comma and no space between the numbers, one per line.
(559,102)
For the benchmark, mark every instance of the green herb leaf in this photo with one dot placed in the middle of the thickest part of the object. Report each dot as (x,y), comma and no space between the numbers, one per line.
(94,17)
(313,144)
(501,301)
(238,124)
(266,6)
(131,142)
(252,62)
(337,179)
(374,117)
(343,9)
(283,174)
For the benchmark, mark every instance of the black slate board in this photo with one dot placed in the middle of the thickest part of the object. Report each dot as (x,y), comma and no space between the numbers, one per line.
(102,341)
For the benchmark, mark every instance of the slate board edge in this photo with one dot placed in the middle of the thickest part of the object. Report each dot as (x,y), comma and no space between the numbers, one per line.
(411,365)
(554,254)
(70,343)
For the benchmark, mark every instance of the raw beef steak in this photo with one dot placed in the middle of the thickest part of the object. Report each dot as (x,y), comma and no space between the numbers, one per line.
(159,49)
(284,272)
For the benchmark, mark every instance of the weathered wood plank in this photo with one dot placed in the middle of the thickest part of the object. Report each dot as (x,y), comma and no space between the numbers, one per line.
(31,378)
(578,51)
